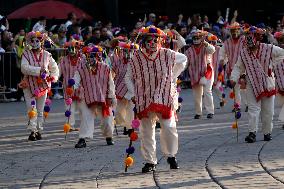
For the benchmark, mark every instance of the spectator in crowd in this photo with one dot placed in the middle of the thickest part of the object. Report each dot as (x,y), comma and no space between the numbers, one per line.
(62,35)
(40,25)
(71,19)
(152,20)
(95,39)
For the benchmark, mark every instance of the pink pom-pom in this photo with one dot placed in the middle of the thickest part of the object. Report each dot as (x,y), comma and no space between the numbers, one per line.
(36,93)
(237,105)
(178,89)
(135,124)
(221,88)
(48,102)
(68,101)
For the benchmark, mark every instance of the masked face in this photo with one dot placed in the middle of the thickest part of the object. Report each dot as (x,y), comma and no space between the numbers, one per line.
(250,41)
(151,44)
(196,40)
(35,43)
(72,51)
(235,33)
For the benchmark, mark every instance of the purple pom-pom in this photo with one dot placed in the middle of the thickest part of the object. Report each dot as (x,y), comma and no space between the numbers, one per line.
(220,69)
(43,75)
(67,113)
(71,82)
(95,49)
(46,108)
(130,150)
(180,100)
(152,30)
(33,102)
(238,115)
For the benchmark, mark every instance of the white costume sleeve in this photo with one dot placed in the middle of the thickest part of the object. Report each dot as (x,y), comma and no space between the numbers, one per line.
(180,42)
(27,69)
(277,54)
(237,70)
(53,69)
(111,89)
(179,64)
(210,49)
(222,55)
(77,79)
(129,83)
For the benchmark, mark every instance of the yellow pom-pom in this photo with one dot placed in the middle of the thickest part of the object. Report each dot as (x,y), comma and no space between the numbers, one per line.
(129,161)
(45,114)
(66,127)
(38,34)
(32,114)
(179,81)
(234,125)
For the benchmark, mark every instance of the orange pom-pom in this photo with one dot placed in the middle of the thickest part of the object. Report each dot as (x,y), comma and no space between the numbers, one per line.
(133,136)
(69,91)
(50,93)
(129,161)
(220,78)
(32,114)
(66,127)
(179,81)
(39,81)
(45,114)
(232,95)
(234,125)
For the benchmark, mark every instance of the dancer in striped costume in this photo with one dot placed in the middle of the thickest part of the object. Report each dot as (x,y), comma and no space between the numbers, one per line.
(201,73)
(149,78)
(68,66)
(256,60)
(229,54)
(124,110)
(94,75)
(37,65)
(279,75)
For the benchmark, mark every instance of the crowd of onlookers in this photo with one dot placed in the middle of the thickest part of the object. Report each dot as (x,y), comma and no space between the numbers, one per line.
(101,33)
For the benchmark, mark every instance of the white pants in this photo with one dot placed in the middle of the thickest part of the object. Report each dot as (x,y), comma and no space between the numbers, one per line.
(36,123)
(240,94)
(88,122)
(264,108)
(124,113)
(168,137)
(280,99)
(206,90)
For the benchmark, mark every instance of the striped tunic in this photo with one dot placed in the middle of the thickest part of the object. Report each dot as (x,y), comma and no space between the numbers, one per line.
(197,64)
(232,49)
(279,77)
(215,63)
(43,61)
(153,82)
(258,68)
(119,66)
(68,71)
(95,85)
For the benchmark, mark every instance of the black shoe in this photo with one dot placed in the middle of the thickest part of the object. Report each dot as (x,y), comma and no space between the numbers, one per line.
(158,125)
(173,163)
(197,116)
(32,136)
(222,104)
(251,138)
(109,141)
(148,167)
(247,109)
(125,132)
(210,116)
(81,143)
(267,137)
(38,136)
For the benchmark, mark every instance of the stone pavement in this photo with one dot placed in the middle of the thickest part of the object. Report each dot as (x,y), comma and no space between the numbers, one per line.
(209,155)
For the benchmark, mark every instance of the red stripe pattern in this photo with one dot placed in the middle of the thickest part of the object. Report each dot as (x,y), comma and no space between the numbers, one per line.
(120,68)
(279,77)
(33,80)
(255,66)
(152,82)
(215,63)
(197,64)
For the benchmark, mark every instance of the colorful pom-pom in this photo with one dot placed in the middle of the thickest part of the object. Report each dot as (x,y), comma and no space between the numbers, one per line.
(135,123)
(129,161)
(221,88)
(180,100)
(237,105)
(178,89)
(220,69)
(48,102)
(234,125)
(46,108)
(68,101)
(238,115)
(179,81)
(43,75)
(223,95)
(232,95)
(66,127)
(135,110)
(50,93)
(32,114)
(36,92)
(67,113)
(71,82)
(45,114)
(39,81)
(69,91)
(133,136)
(33,102)
(220,78)
(130,150)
